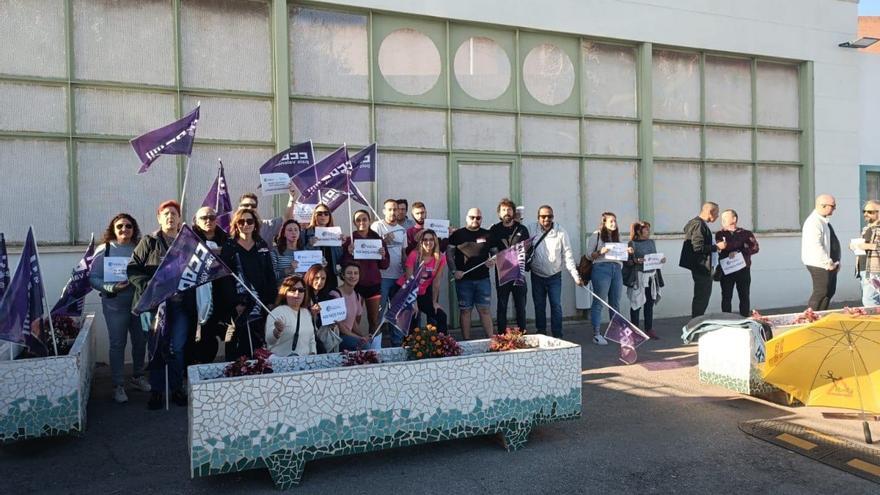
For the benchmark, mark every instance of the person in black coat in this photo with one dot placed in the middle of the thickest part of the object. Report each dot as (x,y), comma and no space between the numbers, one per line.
(204,350)
(180,309)
(249,256)
(696,255)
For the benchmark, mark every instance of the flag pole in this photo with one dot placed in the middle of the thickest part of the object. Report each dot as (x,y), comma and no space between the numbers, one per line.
(183,191)
(43,289)
(250,338)
(217,199)
(166,385)
(595,297)
(368,204)
(254,296)
(494,256)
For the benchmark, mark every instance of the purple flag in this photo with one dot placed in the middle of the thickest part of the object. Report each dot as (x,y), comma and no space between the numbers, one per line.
(158,338)
(291,161)
(74,293)
(327,173)
(511,263)
(22,304)
(4,266)
(626,334)
(218,198)
(334,198)
(175,138)
(363,165)
(187,264)
(403,305)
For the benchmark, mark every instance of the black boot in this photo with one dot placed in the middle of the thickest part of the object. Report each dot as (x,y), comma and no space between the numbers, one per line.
(155,402)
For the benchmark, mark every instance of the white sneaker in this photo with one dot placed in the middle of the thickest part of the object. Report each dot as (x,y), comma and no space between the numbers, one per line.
(119,395)
(599,340)
(140,383)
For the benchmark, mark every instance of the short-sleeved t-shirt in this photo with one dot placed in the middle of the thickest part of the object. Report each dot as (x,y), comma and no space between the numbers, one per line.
(432,267)
(353,308)
(471,250)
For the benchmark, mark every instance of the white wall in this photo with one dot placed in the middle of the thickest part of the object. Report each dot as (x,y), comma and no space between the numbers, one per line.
(870,106)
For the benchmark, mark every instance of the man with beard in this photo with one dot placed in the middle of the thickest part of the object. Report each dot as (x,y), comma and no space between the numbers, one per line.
(502,235)
(413,233)
(468,259)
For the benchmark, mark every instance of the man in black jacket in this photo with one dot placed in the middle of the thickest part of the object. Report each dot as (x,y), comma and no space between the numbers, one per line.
(696,255)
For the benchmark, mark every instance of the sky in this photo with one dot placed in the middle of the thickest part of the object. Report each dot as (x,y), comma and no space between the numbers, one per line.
(869,7)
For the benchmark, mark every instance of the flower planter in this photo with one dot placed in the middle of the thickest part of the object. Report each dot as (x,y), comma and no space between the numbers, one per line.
(311,407)
(43,397)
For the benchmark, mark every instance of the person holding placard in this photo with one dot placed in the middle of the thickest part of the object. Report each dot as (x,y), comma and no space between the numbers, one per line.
(643,285)
(605,249)
(108,277)
(205,349)
(698,254)
(247,254)
(502,235)
(428,300)
(868,254)
(370,280)
(322,217)
(742,243)
(290,331)
(286,244)
(315,279)
(353,338)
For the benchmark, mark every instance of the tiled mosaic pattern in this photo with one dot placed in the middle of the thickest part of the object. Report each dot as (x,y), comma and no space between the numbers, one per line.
(730,357)
(47,396)
(311,408)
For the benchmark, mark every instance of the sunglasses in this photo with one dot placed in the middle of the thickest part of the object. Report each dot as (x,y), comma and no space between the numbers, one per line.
(248,205)
(475,218)
(545,216)
(296,290)
(831,206)
(208,218)
(245,221)
(124,226)
(322,213)
(870,211)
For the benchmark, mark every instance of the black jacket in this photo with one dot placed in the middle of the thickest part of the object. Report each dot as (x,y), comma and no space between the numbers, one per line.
(145,259)
(697,248)
(255,267)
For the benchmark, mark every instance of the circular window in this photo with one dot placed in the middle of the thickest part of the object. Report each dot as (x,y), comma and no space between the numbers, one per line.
(548,74)
(409,61)
(482,68)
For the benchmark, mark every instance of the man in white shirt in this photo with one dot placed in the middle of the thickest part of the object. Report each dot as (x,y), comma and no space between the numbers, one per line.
(820,252)
(551,248)
(395,240)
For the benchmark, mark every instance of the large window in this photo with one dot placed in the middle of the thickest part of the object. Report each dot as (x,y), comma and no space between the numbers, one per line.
(606,125)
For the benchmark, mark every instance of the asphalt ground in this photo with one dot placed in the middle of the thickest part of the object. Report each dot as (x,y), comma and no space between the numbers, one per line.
(646,428)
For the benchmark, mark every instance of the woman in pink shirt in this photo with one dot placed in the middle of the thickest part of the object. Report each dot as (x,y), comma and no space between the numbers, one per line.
(428,253)
(353,338)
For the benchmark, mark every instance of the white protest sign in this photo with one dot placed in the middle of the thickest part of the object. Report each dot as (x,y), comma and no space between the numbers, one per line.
(328,236)
(616,251)
(857,240)
(332,310)
(274,183)
(302,213)
(307,258)
(733,263)
(653,261)
(441,227)
(367,249)
(115,269)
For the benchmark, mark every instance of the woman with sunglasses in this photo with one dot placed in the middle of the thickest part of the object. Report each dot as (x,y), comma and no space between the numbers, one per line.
(322,217)
(315,279)
(370,285)
(428,254)
(286,243)
(116,293)
(247,254)
(290,330)
(204,350)
(180,310)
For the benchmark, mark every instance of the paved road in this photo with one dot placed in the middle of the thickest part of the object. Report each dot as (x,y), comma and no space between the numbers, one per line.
(646,428)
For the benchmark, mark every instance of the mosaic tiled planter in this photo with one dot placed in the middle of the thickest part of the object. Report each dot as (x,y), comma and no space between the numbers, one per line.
(311,407)
(43,397)
(729,357)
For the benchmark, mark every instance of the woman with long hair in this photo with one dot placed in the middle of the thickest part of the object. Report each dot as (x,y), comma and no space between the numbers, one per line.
(248,255)
(643,286)
(428,254)
(286,243)
(315,279)
(606,276)
(120,238)
(353,338)
(289,329)
(323,217)
(370,285)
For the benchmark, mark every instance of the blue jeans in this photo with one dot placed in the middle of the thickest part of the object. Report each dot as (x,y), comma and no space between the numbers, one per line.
(607,280)
(177,325)
(542,288)
(120,325)
(870,295)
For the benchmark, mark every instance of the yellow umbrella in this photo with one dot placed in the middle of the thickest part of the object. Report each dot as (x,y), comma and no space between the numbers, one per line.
(832,362)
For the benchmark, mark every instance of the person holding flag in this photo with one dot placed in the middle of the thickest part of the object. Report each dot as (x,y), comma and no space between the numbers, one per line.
(206,225)
(503,235)
(429,255)
(607,274)
(249,256)
(180,309)
(109,278)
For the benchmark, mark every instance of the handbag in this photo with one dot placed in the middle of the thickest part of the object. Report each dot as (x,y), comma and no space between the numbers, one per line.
(585,265)
(329,337)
